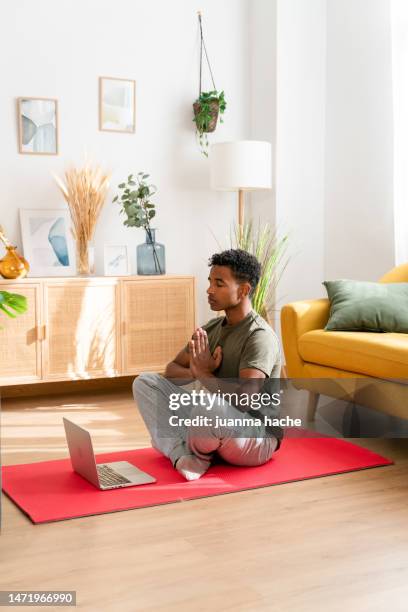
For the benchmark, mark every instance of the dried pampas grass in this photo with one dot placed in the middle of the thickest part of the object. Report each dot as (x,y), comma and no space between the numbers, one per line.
(85,191)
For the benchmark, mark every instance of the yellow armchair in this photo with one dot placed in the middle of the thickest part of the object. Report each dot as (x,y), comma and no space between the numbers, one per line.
(346,364)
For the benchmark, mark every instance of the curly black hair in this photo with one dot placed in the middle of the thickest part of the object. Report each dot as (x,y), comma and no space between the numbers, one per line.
(244,266)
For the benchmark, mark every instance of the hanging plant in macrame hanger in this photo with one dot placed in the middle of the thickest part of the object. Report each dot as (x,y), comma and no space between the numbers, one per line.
(209,104)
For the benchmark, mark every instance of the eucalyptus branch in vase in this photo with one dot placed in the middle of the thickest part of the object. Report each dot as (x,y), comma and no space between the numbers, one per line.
(138,207)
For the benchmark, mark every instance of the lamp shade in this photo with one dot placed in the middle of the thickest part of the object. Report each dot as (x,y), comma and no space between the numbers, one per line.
(245,164)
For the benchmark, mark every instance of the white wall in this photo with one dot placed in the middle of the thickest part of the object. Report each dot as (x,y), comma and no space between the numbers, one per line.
(263,99)
(59,49)
(399,35)
(359,231)
(261,205)
(288,109)
(322,92)
(300,139)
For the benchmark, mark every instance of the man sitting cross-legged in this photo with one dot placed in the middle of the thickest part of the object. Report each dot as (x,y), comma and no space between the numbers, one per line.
(235,354)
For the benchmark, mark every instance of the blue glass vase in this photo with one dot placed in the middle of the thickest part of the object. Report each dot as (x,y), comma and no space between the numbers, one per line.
(151,256)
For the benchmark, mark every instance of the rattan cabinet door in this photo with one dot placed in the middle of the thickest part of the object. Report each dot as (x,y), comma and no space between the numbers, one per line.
(158,318)
(20,345)
(81,324)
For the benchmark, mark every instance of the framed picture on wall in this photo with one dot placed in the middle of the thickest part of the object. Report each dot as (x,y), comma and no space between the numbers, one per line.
(37,126)
(47,242)
(116,260)
(117,105)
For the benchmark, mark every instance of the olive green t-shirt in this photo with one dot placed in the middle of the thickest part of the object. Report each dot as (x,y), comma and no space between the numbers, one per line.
(251,343)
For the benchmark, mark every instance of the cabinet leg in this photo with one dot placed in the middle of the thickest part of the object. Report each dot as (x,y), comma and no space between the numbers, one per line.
(312,402)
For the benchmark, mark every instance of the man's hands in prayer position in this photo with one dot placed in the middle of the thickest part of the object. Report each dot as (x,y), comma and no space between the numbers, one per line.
(202,363)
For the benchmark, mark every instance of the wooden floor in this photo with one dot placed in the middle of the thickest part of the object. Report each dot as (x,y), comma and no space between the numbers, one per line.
(331,544)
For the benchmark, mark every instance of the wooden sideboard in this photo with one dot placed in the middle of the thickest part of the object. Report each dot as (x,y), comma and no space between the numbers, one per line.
(96,327)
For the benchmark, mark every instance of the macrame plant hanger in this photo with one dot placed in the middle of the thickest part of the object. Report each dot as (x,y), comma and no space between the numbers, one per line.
(203,47)
(212,108)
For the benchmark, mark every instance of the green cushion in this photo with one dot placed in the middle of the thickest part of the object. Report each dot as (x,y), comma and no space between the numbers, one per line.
(365,306)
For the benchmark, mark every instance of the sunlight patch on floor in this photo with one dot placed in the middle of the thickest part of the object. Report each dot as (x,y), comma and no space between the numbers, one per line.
(46,418)
(28,432)
(54,408)
(63,451)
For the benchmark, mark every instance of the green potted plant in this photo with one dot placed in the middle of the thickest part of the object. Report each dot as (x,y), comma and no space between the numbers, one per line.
(208,106)
(136,204)
(270,250)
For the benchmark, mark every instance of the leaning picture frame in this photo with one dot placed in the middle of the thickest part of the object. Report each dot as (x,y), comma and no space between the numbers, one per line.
(116,260)
(117,105)
(37,126)
(48,244)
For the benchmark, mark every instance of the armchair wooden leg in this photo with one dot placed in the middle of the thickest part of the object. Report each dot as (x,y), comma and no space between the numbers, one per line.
(312,402)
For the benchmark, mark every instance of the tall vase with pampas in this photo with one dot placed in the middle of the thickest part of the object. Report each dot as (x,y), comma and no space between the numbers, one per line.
(85,191)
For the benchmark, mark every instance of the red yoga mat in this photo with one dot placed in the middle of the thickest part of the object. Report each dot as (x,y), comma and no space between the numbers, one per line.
(51,491)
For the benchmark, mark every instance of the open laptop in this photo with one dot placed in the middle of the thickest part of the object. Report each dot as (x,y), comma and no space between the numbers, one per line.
(104,476)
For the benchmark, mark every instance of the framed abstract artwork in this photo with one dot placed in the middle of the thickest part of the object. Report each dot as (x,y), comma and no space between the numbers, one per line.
(48,244)
(37,126)
(116,260)
(117,105)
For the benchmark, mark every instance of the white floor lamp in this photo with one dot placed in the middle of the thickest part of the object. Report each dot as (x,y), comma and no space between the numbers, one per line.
(244,165)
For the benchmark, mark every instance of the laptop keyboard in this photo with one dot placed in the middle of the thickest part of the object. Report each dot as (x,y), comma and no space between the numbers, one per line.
(108,477)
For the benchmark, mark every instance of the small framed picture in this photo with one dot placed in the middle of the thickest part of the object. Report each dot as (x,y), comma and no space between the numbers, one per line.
(116,260)
(48,244)
(117,105)
(37,126)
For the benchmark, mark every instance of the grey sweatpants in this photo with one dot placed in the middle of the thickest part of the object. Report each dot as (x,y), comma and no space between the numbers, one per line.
(239,446)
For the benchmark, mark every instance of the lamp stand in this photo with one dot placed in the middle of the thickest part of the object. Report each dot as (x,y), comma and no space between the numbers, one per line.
(241,212)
